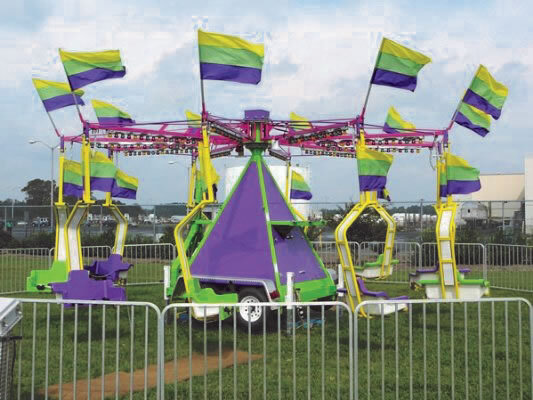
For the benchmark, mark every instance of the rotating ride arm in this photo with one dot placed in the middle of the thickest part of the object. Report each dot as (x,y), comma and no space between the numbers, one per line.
(345,255)
(449,280)
(385,261)
(122,226)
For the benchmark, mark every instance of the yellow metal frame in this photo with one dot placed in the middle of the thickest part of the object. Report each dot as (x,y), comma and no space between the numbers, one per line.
(368,199)
(121,221)
(205,170)
(79,204)
(448,206)
(192,184)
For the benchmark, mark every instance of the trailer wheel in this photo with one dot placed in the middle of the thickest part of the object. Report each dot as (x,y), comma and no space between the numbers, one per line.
(247,311)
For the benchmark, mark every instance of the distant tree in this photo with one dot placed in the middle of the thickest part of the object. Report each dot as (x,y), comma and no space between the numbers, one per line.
(37,192)
(367,228)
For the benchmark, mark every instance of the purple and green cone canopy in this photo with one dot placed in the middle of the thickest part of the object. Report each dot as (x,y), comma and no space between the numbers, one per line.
(238,245)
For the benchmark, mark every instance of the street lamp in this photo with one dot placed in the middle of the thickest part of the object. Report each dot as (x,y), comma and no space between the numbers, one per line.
(52,148)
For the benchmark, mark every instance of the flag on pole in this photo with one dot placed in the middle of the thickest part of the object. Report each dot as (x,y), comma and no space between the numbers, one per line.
(486,94)
(124,186)
(396,124)
(72,179)
(384,194)
(103,172)
(473,119)
(299,187)
(460,177)
(398,66)
(443,182)
(56,95)
(195,120)
(229,58)
(107,113)
(299,123)
(373,167)
(84,68)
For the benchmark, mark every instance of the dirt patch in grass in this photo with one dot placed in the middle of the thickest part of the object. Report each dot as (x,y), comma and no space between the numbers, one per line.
(174,370)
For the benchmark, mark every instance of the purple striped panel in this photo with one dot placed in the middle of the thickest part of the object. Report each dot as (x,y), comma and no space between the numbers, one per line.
(123,193)
(481,103)
(69,189)
(102,184)
(115,121)
(463,121)
(93,75)
(394,79)
(371,182)
(64,100)
(299,194)
(222,72)
(443,191)
(463,187)
(387,128)
(256,115)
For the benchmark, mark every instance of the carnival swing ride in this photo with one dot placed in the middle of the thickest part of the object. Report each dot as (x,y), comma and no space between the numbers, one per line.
(245,251)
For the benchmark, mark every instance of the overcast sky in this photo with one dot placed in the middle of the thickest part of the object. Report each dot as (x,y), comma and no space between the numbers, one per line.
(318,61)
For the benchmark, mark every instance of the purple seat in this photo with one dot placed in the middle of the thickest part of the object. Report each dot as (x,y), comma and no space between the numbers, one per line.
(109,268)
(80,286)
(435,270)
(367,292)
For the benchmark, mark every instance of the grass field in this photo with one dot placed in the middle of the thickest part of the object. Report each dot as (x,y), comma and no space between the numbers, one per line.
(428,350)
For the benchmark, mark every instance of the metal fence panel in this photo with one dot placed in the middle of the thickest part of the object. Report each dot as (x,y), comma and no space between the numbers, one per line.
(306,352)
(510,266)
(407,254)
(469,256)
(446,349)
(90,253)
(148,261)
(327,251)
(15,267)
(87,349)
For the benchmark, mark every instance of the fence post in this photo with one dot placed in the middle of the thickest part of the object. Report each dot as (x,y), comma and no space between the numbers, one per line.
(419,255)
(485,273)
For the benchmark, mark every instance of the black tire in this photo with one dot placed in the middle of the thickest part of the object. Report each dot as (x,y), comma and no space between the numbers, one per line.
(258,314)
(326,308)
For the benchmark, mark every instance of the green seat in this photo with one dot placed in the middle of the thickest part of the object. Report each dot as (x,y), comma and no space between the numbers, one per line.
(39,279)
(479,282)
(378,262)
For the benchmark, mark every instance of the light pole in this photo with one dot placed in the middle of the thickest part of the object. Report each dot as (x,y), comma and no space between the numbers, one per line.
(52,148)
(174,162)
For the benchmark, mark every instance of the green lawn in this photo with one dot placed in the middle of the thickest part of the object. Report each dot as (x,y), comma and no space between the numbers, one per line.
(298,354)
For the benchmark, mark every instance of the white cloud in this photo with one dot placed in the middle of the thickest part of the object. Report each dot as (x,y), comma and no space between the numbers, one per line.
(318,63)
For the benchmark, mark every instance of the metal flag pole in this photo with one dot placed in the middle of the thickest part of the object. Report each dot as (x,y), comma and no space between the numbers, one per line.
(460,101)
(370,85)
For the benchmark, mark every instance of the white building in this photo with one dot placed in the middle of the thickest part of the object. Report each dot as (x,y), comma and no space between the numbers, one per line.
(280,175)
(506,196)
